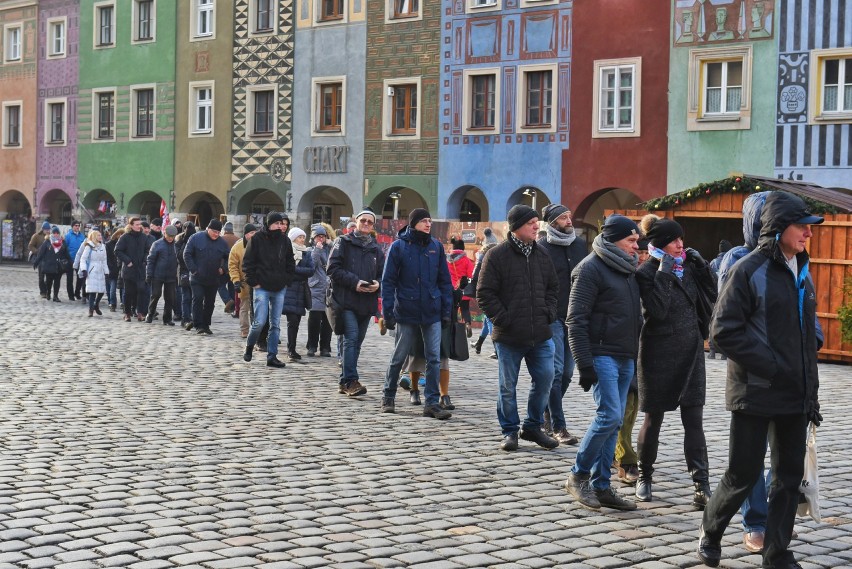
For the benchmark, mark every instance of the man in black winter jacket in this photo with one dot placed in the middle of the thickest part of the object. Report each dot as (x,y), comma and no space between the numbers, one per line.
(161,275)
(765,322)
(518,291)
(269,268)
(132,251)
(206,257)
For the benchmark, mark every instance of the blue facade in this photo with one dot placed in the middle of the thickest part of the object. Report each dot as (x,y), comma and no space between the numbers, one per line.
(506,69)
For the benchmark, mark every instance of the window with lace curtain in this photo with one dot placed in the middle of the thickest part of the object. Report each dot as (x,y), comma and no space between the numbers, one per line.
(719,94)
(831,86)
(723,87)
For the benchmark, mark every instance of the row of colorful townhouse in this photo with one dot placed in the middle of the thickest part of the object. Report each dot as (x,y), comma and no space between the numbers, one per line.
(466,107)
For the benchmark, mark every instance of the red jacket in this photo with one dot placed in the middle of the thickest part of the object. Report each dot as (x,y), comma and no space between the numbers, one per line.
(460,265)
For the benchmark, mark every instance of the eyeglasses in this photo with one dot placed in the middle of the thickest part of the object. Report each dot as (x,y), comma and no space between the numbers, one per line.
(367,221)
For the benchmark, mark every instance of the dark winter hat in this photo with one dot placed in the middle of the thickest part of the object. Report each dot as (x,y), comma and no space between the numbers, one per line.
(643,244)
(519,215)
(146,224)
(273,217)
(725,246)
(157,221)
(215,225)
(458,244)
(45,225)
(170,230)
(249,227)
(417,215)
(617,227)
(228,227)
(318,230)
(553,211)
(54,229)
(663,231)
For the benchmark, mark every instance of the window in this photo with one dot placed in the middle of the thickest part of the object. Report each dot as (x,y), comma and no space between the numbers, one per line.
(539,99)
(616,98)
(104,114)
(201,103)
(143,20)
(331,10)
(262,101)
(54,121)
(404,118)
(204,18)
(831,85)
(12,46)
(719,90)
(56,38)
(406,8)
(143,112)
(12,124)
(262,16)
(482,5)
(104,25)
(331,107)
(481,107)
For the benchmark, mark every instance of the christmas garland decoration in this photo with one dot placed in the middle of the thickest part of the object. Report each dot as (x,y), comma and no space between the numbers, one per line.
(734,184)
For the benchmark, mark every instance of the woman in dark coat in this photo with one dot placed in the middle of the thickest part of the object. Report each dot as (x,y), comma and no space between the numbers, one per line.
(53,260)
(671,351)
(183,275)
(297,299)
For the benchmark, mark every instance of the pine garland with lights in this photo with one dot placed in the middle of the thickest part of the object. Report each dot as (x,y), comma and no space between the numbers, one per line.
(734,184)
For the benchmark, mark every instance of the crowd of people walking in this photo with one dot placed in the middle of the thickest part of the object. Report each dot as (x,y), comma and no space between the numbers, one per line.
(632,316)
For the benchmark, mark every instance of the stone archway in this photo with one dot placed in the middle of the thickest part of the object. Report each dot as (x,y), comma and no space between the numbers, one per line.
(528,195)
(13,202)
(146,204)
(100,204)
(256,203)
(589,215)
(406,198)
(201,208)
(326,204)
(57,206)
(468,203)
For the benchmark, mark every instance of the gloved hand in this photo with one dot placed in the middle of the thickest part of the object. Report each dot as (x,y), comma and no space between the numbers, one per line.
(667,264)
(814,415)
(82,274)
(390,323)
(445,323)
(694,256)
(588,377)
(238,286)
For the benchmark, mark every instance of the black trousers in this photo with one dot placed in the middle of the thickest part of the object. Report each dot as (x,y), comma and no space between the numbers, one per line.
(293,321)
(69,282)
(168,291)
(692,419)
(42,283)
(747,449)
(203,302)
(134,297)
(319,331)
(52,281)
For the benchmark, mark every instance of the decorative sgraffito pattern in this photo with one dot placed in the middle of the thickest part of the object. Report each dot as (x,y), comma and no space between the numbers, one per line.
(708,22)
(262,60)
(793,72)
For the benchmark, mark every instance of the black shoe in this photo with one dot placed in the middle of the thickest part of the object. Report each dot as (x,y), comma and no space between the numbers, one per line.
(643,490)
(56,299)
(387,405)
(248,353)
(701,495)
(415,398)
(581,489)
(98,310)
(445,403)
(294,356)
(709,552)
(325,354)
(112,308)
(200,331)
(149,319)
(208,331)
(436,412)
(546,426)
(275,362)
(608,498)
(261,347)
(311,353)
(168,323)
(510,442)
(188,326)
(538,437)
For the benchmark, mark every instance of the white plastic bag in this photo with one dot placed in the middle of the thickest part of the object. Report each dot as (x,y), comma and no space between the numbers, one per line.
(809,488)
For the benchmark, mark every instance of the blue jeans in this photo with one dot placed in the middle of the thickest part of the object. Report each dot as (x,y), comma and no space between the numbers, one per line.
(486,327)
(539,360)
(406,336)
(597,449)
(267,305)
(178,309)
(110,294)
(755,508)
(563,369)
(186,303)
(354,329)
(226,291)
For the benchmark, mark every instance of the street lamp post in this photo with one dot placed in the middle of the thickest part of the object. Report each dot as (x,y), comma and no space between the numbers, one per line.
(532,193)
(395,197)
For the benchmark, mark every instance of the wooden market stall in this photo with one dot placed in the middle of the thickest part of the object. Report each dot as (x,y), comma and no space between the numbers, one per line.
(713,211)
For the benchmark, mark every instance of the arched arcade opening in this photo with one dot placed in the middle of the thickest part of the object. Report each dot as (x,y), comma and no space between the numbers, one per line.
(257,203)
(146,204)
(56,205)
(325,204)
(589,215)
(201,207)
(397,202)
(528,195)
(468,203)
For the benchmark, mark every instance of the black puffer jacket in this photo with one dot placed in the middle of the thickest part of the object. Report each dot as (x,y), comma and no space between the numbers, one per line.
(765,322)
(604,315)
(268,261)
(48,259)
(112,260)
(351,260)
(162,264)
(518,293)
(132,249)
(205,257)
(564,259)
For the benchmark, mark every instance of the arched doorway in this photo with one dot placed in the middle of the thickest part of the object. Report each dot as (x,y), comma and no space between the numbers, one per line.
(589,215)
(325,204)
(399,200)
(57,206)
(528,195)
(16,228)
(100,205)
(468,203)
(202,207)
(257,203)
(14,202)
(146,204)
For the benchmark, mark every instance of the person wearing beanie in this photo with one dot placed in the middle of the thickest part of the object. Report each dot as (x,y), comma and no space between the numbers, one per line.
(269,267)
(242,307)
(132,251)
(355,266)
(724,247)
(604,319)
(671,351)
(417,301)
(206,257)
(161,274)
(157,228)
(51,260)
(461,271)
(518,289)
(297,298)
(184,288)
(36,241)
(772,387)
(565,250)
(488,237)
(319,328)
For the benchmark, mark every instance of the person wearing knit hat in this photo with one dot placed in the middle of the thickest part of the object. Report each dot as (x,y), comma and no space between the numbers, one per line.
(488,237)
(297,297)
(724,247)
(157,228)
(319,328)
(517,288)
(161,269)
(242,300)
(604,319)
(49,260)
(566,249)
(206,257)
(36,241)
(416,215)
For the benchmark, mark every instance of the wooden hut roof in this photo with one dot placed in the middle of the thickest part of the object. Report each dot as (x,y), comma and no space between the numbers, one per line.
(840,198)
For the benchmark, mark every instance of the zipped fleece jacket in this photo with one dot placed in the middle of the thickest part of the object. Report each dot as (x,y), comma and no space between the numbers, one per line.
(268,261)
(765,322)
(518,293)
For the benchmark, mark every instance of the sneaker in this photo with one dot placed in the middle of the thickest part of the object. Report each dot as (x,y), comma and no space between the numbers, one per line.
(538,437)
(493,356)
(387,405)
(608,498)
(436,412)
(564,437)
(341,389)
(275,362)
(405,382)
(509,442)
(753,541)
(628,474)
(709,552)
(354,389)
(580,488)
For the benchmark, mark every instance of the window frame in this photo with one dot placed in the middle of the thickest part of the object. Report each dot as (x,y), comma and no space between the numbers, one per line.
(136,23)
(17,27)
(600,66)
(196,11)
(697,117)
(48,121)
(335,18)
(478,6)
(816,87)
(392,16)
(97,25)
(52,24)
(251,122)
(389,132)
(135,91)
(521,110)
(194,88)
(317,85)
(468,79)
(19,143)
(254,13)
(96,115)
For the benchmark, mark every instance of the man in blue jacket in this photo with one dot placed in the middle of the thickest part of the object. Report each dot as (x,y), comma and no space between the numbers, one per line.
(417,301)
(74,240)
(206,257)
(161,275)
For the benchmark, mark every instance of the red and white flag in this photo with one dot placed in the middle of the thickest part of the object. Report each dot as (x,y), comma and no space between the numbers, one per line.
(164,212)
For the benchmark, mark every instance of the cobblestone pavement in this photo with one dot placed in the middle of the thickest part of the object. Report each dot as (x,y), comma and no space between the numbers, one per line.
(136,445)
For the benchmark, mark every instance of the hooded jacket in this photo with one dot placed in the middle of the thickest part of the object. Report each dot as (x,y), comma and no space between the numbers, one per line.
(268,261)
(416,285)
(460,266)
(765,322)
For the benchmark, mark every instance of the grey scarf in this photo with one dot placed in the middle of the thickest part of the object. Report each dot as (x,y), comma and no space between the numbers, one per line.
(556,237)
(615,258)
